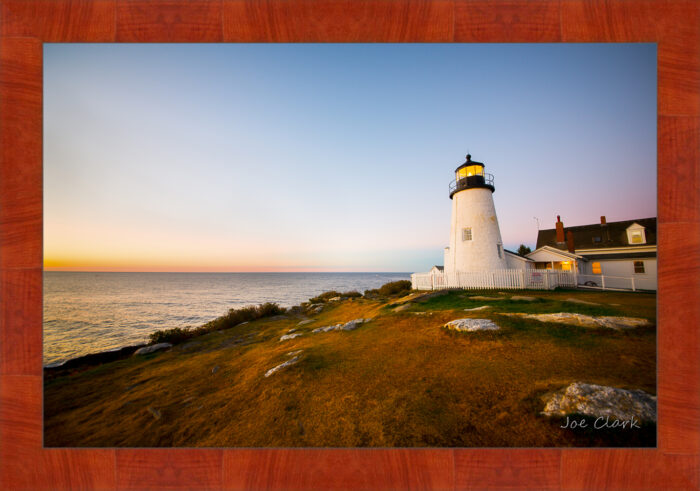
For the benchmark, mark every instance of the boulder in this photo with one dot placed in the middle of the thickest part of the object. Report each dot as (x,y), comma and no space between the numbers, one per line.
(354,324)
(215,369)
(523,298)
(150,349)
(402,307)
(305,321)
(599,401)
(294,353)
(335,299)
(472,325)
(291,336)
(483,307)
(327,328)
(281,366)
(609,322)
(348,326)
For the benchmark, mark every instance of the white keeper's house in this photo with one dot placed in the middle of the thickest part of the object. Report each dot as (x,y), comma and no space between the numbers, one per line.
(619,255)
(612,252)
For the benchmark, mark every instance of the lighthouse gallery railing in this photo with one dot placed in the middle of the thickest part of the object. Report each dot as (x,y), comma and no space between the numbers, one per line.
(471,181)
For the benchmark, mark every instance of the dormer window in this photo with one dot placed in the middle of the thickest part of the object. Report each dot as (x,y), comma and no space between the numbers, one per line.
(636,235)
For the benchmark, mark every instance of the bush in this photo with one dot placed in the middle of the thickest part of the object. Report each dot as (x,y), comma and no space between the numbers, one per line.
(227,321)
(389,289)
(324,297)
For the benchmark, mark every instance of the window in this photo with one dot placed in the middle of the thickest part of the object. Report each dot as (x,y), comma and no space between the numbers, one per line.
(499,249)
(595,267)
(596,239)
(467,233)
(636,234)
(639,267)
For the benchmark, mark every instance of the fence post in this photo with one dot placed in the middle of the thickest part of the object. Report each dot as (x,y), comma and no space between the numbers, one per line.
(633,289)
(602,281)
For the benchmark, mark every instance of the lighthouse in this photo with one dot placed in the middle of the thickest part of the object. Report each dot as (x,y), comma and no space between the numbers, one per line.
(475,239)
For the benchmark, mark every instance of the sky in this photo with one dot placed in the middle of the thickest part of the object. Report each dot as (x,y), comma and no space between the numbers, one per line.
(332,157)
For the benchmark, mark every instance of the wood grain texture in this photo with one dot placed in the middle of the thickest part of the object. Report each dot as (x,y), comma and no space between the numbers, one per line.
(671,23)
(59,20)
(338,469)
(156,469)
(627,469)
(338,21)
(20,154)
(179,21)
(507,469)
(25,465)
(679,169)
(679,337)
(515,21)
(20,322)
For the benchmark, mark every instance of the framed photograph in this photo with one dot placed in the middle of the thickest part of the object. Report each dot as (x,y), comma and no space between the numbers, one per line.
(349,245)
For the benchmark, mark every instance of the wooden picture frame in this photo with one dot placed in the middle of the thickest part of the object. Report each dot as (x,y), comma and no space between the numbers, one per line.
(26,24)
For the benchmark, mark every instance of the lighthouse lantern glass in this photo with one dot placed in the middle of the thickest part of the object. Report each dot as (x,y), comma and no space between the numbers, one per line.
(470,170)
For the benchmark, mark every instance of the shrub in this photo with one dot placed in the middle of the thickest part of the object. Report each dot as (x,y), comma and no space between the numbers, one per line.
(324,297)
(232,318)
(389,289)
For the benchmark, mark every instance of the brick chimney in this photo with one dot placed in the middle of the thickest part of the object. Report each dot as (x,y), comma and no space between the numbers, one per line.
(602,220)
(560,231)
(570,241)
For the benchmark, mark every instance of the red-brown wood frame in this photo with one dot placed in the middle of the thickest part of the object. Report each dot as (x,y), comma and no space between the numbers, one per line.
(26,24)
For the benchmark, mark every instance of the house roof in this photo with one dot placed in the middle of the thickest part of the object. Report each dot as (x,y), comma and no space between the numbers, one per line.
(597,236)
(518,256)
(559,252)
(441,268)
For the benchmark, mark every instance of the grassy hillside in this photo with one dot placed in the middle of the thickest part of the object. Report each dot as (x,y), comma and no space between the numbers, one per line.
(399,380)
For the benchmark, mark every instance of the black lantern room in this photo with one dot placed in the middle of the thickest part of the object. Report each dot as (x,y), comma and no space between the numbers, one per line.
(471,175)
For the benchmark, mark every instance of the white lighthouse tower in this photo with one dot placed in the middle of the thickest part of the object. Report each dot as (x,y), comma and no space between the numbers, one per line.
(475,239)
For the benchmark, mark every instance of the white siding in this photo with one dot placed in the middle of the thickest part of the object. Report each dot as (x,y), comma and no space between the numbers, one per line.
(624,268)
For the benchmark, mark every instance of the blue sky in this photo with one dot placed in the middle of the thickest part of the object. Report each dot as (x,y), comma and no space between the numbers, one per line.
(329,157)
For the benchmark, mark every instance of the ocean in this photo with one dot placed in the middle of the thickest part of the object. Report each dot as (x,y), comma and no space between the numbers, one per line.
(90,312)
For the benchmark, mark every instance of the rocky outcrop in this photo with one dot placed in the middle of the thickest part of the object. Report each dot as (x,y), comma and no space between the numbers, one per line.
(348,326)
(523,298)
(609,322)
(402,307)
(305,321)
(291,336)
(152,348)
(281,366)
(471,325)
(481,297)
(483,307)
(578,300)
(600,401)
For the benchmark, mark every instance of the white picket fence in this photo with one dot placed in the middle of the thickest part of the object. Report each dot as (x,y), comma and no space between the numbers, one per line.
(536,279)
(607,282)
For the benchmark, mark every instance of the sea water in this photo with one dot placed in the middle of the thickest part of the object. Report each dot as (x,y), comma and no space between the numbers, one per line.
(91,312)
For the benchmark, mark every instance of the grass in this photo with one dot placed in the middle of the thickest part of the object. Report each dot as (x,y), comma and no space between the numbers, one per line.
(399,380)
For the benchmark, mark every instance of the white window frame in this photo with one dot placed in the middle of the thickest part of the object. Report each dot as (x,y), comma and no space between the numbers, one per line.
(633,230)
(634,267)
